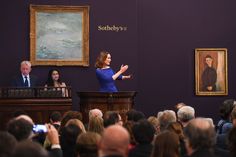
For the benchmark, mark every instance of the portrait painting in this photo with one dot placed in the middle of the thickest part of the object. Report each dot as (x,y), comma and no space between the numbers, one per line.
(59,35)
(211,71)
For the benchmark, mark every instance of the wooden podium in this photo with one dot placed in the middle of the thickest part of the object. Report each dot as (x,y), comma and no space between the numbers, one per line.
(106,101)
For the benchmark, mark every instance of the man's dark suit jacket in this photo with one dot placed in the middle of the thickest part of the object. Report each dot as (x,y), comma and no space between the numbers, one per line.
(18,81)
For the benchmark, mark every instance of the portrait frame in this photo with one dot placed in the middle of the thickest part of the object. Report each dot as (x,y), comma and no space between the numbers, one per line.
(59,35)
(211,71)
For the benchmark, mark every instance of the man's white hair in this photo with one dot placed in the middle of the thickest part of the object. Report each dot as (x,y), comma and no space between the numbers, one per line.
(186,113)
(25,63)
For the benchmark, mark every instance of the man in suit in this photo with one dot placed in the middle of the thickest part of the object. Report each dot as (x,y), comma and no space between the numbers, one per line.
(24,79)
(114,142)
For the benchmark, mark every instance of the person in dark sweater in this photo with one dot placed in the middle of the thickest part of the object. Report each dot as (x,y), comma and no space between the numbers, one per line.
(143,133)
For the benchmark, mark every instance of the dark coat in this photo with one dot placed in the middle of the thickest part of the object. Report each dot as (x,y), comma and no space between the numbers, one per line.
(18,81)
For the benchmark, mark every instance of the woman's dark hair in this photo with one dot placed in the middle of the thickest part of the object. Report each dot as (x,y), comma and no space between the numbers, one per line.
(68,138)
(50,81)
(143,132)
(101,58)
(112,119)
(226,109)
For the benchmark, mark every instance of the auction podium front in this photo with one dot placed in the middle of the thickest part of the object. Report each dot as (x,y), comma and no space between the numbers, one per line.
(106,101)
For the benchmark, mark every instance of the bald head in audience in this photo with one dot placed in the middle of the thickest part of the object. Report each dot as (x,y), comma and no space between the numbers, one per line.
(25,117)
(200,134)
(114,141)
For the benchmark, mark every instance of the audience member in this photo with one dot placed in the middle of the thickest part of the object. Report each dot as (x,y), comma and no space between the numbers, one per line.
(24,79)
(77,123)
(224,125)
(200,138)
(179,105)
(70,115)
(113,118)
(130,115)
(68,138)
(25,117)
(20,128)
(144,134)
(185,114)
(129,125)
(96,125)
(87,144)
(233,116)
(55,119)
(232,141)
(177,128)
(165,118)
(7,144)
(166,145)
(155,123)
(55,82)
(138,115)
(53,138)
(95,113)
(114,142)
(28,148)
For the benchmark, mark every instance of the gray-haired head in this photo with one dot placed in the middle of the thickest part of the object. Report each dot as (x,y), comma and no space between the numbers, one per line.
(25,67)
(165,118)
(186,113)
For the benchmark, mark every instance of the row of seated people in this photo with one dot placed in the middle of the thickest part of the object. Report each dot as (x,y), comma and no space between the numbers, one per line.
(25,79)
(169,134)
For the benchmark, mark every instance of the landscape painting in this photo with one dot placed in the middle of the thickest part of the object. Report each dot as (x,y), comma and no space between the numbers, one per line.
(59,35)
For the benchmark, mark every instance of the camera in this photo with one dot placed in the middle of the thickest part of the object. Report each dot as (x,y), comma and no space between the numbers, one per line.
(39,128)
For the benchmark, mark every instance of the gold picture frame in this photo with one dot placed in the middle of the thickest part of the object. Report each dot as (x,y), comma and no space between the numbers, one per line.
(211,73)
(59,35)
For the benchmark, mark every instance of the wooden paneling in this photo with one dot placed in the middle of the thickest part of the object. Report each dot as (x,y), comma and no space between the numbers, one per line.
(38,109)
(117,101)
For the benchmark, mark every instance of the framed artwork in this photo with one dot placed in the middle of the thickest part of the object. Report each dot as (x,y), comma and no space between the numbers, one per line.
(211,76)
(59,35)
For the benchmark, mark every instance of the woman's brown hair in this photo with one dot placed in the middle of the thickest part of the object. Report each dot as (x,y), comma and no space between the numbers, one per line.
(166,145)
(100,59)
(96,125)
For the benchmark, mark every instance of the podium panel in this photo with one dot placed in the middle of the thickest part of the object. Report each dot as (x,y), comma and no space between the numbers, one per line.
(106,101)
(38,103)
(38,109)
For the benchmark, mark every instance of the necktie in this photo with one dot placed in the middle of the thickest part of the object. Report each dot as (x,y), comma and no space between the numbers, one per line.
(26,83)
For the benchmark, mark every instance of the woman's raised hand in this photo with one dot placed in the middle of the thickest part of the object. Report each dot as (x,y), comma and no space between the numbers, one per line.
(123,68)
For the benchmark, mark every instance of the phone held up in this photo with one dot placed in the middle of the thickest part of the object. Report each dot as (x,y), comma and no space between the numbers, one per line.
(39,128)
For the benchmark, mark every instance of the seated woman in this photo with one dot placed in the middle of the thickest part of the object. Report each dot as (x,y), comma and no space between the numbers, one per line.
(105,75)
(55,82)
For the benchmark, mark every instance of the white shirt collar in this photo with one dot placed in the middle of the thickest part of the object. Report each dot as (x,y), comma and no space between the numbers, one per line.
(24,76)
